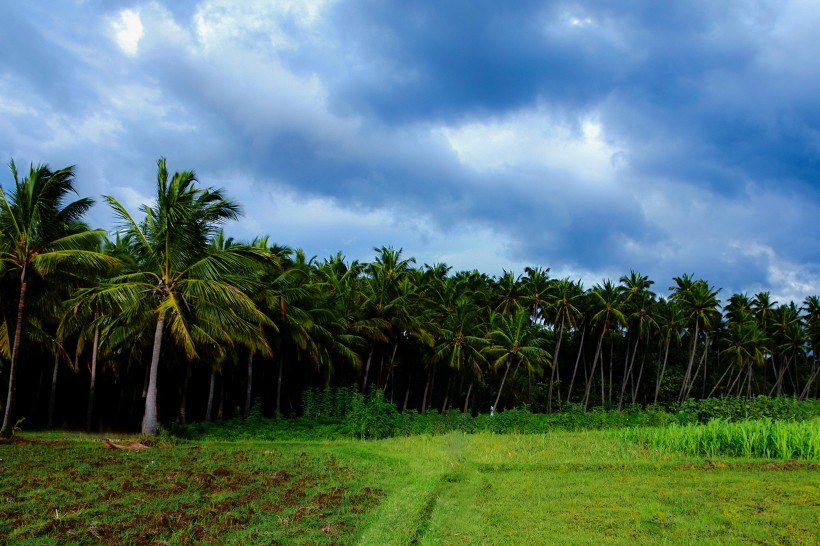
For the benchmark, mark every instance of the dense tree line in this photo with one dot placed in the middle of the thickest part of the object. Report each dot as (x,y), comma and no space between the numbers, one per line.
(166,318)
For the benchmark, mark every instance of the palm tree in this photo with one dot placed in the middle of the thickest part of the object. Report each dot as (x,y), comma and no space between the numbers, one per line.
(699,303)
(606,303)
(509,293)
(637,304)
(811,308)
(566,308)
(460,342)
(536,286)
(38,232)
(513,339)
(669,318)
(201,293)
(384,297)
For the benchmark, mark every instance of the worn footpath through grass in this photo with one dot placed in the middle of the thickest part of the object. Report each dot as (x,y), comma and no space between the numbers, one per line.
(557,488)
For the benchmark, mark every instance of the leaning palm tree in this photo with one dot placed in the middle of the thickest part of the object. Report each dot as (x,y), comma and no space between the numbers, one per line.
(513,339)
(194,289)
(38,232)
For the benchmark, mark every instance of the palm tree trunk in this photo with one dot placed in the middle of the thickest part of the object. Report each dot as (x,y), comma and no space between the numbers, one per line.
(367,369)
(467,398)
(637,387)
(627,372)
(591,377)
(249,390)
(8,420)
(150,423)
(577,360)
(220,410)
(701,362)
(183,398)
(211,386)
(659,381)
(53,398)
(778,384)
(390,371)
(447,395)
(609,396)
(279,387)
(89,414)
(406,393)
(497,398)
(733,382)
(691,362)
(719,381)
(554,365)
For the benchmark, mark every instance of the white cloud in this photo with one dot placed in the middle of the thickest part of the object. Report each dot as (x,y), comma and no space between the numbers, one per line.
(255,24)
(128,31)
(534,137)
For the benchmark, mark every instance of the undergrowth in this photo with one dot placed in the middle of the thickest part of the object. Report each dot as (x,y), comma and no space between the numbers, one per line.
(336,413)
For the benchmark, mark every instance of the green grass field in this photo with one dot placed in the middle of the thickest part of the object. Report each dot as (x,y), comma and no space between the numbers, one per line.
(556,488)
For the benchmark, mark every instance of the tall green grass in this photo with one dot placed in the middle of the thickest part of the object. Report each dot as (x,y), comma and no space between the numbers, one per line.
(755,438)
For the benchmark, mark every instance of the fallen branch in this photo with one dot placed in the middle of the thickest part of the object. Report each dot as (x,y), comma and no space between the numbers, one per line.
(112,444)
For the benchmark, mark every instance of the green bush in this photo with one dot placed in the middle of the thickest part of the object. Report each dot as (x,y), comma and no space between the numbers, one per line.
(344,412)
(733,409)
(371,416)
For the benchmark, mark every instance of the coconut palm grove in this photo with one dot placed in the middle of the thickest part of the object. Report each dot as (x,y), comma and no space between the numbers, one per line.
(164,318)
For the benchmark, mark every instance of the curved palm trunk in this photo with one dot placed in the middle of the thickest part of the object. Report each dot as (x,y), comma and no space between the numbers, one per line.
(497,398)
(719,381)
(467,398)
(150,423)
(591,377)
(89,413)
(367,369)
(8,420)
(577,360)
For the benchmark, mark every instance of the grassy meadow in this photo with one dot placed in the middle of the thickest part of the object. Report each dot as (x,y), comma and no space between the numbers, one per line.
(593,487)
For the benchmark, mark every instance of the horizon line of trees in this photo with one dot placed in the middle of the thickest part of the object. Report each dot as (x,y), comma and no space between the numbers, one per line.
(166,318)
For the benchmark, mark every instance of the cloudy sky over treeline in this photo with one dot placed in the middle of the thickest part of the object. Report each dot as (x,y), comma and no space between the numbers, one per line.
(591,137)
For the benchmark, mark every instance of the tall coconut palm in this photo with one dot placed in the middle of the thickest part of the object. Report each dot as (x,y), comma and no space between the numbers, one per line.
(637,304)
(606,302)
(811,308)
(566,308)
(38,232)
(386,296)
(698,300)
(510,293)
(513,339)
(669,318)
(460,342)
(201,293)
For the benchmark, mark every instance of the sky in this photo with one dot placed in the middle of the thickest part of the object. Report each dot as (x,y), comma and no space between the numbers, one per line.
(591,137)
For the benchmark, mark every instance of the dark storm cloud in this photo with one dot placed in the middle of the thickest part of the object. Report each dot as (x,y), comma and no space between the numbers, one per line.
(586,136)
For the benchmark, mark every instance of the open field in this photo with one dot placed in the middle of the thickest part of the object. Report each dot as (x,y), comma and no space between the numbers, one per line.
(562,487)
